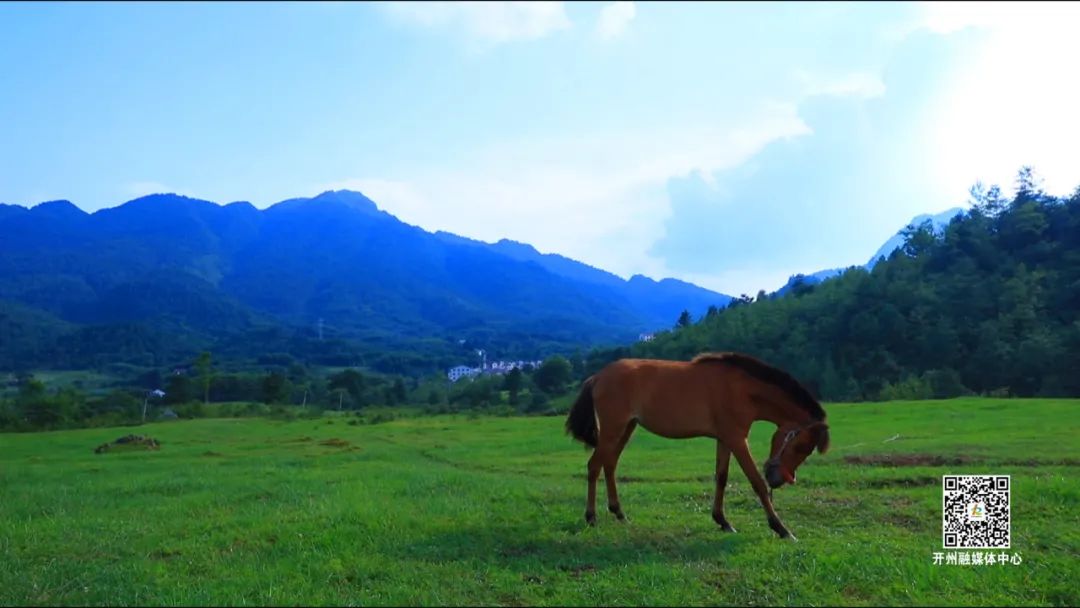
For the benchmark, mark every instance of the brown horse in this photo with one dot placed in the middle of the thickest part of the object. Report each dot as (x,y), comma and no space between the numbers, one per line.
(716,395)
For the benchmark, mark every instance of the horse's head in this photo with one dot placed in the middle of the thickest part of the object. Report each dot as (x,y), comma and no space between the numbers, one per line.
(790,447)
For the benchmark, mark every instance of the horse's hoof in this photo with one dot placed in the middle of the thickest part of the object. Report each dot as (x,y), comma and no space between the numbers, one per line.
(617,511)
(774,523)
(590,518)
(722,522)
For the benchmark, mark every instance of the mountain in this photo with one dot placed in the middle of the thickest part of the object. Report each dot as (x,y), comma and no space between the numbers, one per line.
(331,279)
(938,221)
(656,301)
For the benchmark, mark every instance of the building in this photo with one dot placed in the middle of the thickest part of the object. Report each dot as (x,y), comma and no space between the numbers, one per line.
(462,371)
(488,368)
(646,337)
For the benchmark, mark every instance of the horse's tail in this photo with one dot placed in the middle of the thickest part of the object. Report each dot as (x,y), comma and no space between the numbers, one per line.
(581,421)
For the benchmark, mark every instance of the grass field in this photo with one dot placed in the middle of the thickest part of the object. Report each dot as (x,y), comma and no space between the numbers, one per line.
(452,510)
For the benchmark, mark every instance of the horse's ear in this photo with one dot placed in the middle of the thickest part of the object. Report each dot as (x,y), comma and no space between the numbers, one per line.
(823,440)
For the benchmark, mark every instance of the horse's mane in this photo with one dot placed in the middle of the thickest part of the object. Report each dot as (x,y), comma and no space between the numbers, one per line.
(768,374)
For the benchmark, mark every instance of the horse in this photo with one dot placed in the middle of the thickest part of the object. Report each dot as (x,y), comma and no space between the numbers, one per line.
(717,395)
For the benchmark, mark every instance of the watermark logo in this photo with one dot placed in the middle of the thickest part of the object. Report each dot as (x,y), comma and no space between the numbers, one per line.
(975,515)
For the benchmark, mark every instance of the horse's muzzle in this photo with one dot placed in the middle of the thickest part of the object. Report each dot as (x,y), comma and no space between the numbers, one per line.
(773,476)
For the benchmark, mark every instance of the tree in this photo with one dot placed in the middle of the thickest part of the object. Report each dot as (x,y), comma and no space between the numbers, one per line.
(537,401)
(400,395)
(202,365)
(351,381)
(389,395)
(554,374)
(512,382)
(684,319)
(275,388)
(918,239)
(177,389)
(1028,184)
(36,406)
(339,396)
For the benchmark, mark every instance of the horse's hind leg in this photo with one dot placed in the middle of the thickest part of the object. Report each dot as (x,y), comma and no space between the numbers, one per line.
(609,443)
(609,470)
(723,457)
(594,474)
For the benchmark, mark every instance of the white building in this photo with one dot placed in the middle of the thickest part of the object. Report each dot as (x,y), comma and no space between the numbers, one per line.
(646,337)
(461,371)
(488,368)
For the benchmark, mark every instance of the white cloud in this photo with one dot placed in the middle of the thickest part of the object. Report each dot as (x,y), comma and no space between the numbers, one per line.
(855,84)
(488,22)
(948,17)
(614,19)
(600,199)
(1013,105)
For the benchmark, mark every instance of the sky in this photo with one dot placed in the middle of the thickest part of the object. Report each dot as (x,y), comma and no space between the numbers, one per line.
(727,144)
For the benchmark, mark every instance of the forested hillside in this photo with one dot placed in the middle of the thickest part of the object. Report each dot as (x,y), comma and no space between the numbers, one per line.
(330,280)
(989,306)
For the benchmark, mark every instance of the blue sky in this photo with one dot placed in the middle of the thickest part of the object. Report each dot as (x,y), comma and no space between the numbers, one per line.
(727,144)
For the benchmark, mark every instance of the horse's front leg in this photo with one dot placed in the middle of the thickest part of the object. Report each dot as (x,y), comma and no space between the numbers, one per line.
(746,461)
(723,457)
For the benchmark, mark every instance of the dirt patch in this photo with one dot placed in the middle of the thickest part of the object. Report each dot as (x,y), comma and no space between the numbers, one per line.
(1035,462)
(506,599)
(576,571)
(212,454)
(854,593)
(164,554)
(901,482)
(934,460)
(908,460)
(517,551)
(903,520)
(842,502)
(722,579)
(335,443)
(129,443)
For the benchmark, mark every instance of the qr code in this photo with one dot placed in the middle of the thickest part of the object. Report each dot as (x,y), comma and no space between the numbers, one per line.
(975,511)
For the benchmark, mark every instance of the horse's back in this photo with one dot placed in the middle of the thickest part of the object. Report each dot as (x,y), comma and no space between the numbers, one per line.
(669,398)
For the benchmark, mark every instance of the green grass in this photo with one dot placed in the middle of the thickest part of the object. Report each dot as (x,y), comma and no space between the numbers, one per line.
(452,510)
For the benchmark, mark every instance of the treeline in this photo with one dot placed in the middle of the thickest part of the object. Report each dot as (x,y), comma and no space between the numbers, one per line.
(283,388)
(31,339)
(988,306)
